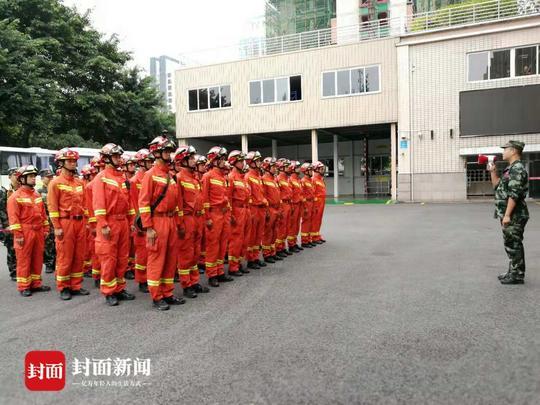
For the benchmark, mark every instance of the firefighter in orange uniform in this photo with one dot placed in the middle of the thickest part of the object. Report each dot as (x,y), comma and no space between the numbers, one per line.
(98,165)
(88,172)
(272,194)
(216,205)
(319,201)
(307,212)
(201,167)
(258,209)
(159,199)
(189,247)
(296,207)
(240,215)
(286,197)
(29,225)
(129,168)
(114,214)
(144,161)
(66,202)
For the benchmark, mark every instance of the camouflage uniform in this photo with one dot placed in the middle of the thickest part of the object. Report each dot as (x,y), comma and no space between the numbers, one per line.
(5,236)
(513,184)
(49,254)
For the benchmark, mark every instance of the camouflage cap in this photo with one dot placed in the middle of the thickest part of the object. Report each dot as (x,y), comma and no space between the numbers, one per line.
(12,170)
(46,173)
(514,144)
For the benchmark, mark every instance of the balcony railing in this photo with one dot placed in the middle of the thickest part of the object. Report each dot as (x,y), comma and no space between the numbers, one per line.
(445,18)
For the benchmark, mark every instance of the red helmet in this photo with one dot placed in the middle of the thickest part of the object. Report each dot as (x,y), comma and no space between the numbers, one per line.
(268,162)
(295,164)
(217,152)
(305,167)
(65,154)
(317,165)
(183,152)
(160,143)
(24,171)
(253,156)
(96,162)
(236,156)
(129,158)
(283,163)
(88,170)
(111,149)
(143,154)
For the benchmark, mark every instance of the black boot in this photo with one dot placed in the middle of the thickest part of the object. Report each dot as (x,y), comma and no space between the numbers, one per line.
(243,270)
(269,259)
(26,293)
(503,275)
(253,265)
(129,275)
(43,288)
(262,263)
(223,278)
(172,300)
(111,300)
(143,287)
(97,283)
(189,293)
(200,289)
(49,270)
(124,296)
(65,294)
(82,291)
(235,273)
(288,252)
(161,305)
(307,245)
(213,282)
(277,258)
(300,248)
(281,254)
(510,279)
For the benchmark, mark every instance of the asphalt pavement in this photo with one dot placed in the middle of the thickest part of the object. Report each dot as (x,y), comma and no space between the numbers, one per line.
(401,305)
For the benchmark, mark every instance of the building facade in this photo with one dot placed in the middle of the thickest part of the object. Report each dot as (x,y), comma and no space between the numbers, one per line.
(162,69)
(402,115)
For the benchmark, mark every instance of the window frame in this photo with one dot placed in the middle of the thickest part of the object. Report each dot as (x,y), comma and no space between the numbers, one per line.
(364,93)
(512,63)
(275,79)
(196,89)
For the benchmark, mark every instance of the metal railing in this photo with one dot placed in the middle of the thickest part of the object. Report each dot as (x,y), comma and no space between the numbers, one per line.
(448,17)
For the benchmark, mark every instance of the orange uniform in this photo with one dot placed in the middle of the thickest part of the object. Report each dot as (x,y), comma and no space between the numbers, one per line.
(283,222)
(319,201)
(139,237)
(164,220)
(273,196)
(307,214)
(216,204)
(28,220)
(190,247)
(258,213)
(296,210)
(90,243)
(66,202)
(240,197)
(112,208)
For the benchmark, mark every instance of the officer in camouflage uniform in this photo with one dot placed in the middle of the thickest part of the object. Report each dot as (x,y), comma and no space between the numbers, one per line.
(49,254)
(511,209)
(5,236)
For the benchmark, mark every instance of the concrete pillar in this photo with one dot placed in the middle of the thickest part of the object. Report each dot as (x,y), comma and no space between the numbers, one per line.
(336,167)
(274,148)
(314,145)
(393,162)
(245,146)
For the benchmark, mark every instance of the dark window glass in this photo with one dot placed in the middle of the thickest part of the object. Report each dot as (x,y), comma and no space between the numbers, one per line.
(343,82)
(193,103)
(295,88)
(269,92)
(214,97)
(372,78)
(226,96)
(203,99)
(255,92)
(526,61)
(500,64)
(329,84)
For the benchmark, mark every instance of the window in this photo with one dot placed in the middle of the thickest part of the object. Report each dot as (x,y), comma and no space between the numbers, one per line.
(169,75)
(209,98)
(525,63)
(268,91)
(193,101)
(354,81)
(500,64)
(343,82)
(169,87)
(329,84)
(478,66)
(278,90)
(503,63)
